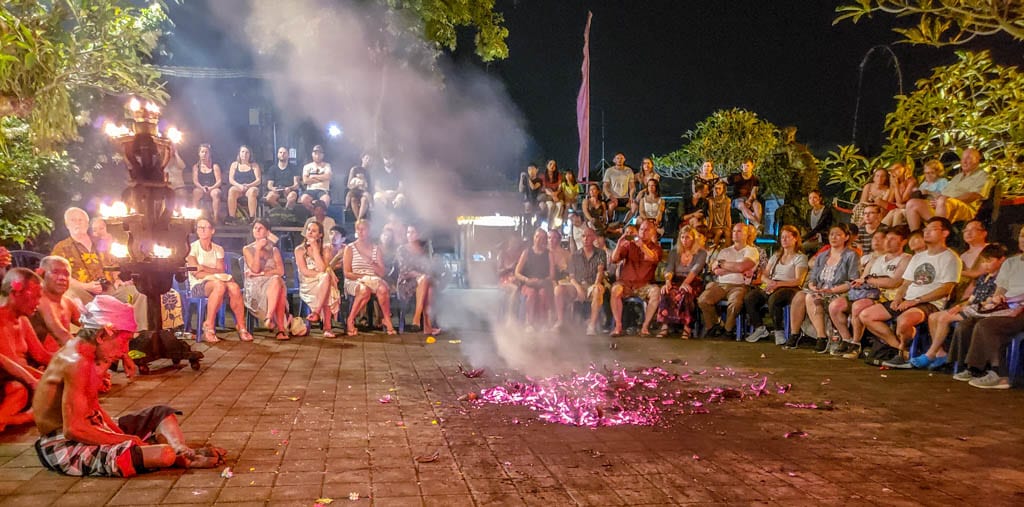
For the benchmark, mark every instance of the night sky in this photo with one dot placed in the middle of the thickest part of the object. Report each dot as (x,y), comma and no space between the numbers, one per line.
(660,66)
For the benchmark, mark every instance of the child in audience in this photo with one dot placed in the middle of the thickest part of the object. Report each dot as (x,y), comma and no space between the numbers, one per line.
(720,215)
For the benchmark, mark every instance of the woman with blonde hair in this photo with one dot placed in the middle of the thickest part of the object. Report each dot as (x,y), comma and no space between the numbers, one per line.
(265,294)
(784,274)
(244,178)
(683,282)
(318,285)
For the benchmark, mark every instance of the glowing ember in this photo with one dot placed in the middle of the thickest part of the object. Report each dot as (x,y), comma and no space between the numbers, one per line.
(152,108)
(611,398)
(115,210)
(119,250)
(134,104)
(113,130)
(191,213)
(161,252)
(174,135)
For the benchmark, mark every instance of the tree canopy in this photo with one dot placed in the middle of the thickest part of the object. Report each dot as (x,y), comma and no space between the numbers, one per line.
(944,22)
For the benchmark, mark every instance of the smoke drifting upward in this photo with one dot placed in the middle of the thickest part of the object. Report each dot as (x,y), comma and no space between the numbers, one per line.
(334,61)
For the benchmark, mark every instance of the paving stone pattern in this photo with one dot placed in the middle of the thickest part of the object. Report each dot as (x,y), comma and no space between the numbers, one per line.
(302,420)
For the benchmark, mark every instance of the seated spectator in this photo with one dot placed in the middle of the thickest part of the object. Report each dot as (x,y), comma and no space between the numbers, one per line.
(730,268)
(934,180)
(915,242)
(902,185)
(387,186)
(960,199)
(928,189)
(719,215)
(650,206)
(211,279)
(318,287)
(358,197)
(872,221)
(100,234)
(550,198)
(683,282)
(509,253)
(397,227)
(977,300)
(320,216)
(706,175)
(282,181)
(576,230)
(744,197)
(19,296)
(417,280)
(595,211)
(339,238)
(206,182)
(639,256)
(647,173)
(560,257)
(244,180)
(874,250)
(878,281)
(927,283)
(78,437)
(618,184)
(975,236)
(784,274)
(88,274)
(586,278)
(530,185)
(265,294)
(535,272)
(570,193)
(877,192)
(175,174)
(316,177)
(693,210)
(830,279)
(56,312)
(819,221)
(364,277)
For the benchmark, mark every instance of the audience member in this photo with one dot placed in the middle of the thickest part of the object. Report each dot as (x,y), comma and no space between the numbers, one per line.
(587,278)
(206,182)
(706,175)
(78,437)
(320,216)
(819,221)
(927,283)
(647,173)
(683,282)
(871,222)
(358,197)
(212,279)
(650,206)
(960,199)
(389,252)
(318,287)
(595,211)
(100,235)
(19,296)
(265,294)
(88,274)
(975,236)
(282,181)
(902,186)
(693,210)
(639,256)
(175,174)
(530,184)
(730,268)
(915,242)
(719,215)
(829,279)
(509,252)
(244,180)
(619,184)
(417,280)
(364,277)
(934,179)
(387,186)
(877,192)
(535,272)
(52,320)
(570,194)
(316,177)
(785,272)
(560,258)
(744,197)
(550,198)
(977,301)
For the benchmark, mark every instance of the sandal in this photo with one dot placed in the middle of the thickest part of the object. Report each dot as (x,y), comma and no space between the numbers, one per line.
(352,331)
(663,333)
(210,335)
(245,335)
(645,333)
(313,318)
(436,331)
(329,334)
(282,336)
(392,332)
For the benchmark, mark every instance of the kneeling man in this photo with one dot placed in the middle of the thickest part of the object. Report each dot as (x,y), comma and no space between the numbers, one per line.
(78,437)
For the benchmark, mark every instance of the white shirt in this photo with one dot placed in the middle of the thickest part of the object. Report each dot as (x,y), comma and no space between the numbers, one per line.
(1011,276)
(211,258)
(311,168)
(619,180)
(731,254)
(926,272)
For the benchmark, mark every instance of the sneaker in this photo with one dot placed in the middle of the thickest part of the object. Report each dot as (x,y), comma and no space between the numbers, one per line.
(898,363)
(853,351)
(591,331)
(840,348)
(991,380)
(963,375)
(757,335)
(793,342)
(938,362)
(780,338)
(821,346)
(920,361)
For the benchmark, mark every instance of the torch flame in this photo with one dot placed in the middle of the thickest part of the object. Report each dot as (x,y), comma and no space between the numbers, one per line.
(114,130)
(119,250)
(116,210)
(161,252)
(134,105)
(152,108)
(174,135)
(191,213)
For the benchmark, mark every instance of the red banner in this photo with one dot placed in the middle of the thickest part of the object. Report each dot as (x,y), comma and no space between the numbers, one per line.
(583,108)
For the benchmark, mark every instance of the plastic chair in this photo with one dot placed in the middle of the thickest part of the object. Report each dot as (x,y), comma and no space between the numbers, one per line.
(296,306)
(237,270)
(723,307)
(1013,360)
(187,300)
(26,259)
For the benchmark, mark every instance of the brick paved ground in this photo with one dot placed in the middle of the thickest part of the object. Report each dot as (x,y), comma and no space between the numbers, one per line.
(302,420)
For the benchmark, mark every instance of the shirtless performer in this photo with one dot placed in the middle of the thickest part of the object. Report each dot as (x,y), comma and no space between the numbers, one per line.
(19,296)
(78,437)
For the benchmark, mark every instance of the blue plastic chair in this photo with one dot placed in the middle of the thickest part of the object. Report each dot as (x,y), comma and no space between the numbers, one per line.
(295,304)
(723,307)
(1014,360)
(236,263)
(200,302)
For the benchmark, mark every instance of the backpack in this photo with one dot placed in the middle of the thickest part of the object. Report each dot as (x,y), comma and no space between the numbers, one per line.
(880,353)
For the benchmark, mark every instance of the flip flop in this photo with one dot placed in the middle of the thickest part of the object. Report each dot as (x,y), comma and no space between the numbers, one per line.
(663,333)
(329,334)
(282,336)
(352,331)
(210,335)
(392,332)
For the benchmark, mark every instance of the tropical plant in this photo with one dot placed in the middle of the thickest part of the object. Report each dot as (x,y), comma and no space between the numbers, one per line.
(973,102)
(440,20)
(944,22)
(21,166)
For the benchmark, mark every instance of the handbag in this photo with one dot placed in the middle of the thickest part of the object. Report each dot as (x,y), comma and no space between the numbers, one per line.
(297,327)
(863,292)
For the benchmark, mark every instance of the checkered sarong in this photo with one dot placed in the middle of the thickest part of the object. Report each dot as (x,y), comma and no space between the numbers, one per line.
(73,458)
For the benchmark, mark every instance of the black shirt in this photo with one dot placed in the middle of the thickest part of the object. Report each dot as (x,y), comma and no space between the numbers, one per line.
(282,177)
(386,180)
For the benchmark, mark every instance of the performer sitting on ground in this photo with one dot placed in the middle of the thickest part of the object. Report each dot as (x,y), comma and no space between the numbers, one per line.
(52,320)
(19,296)
(78,437)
